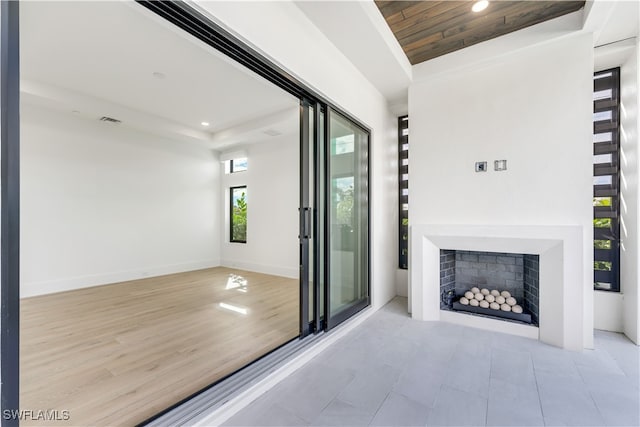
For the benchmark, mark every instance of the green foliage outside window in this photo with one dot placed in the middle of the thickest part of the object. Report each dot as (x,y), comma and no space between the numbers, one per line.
(344,206)
(602,222)
(602,265)
(239,216)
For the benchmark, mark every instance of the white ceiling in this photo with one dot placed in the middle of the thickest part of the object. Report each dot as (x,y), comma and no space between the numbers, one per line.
(614,20)
(99,58)
(360,32)
(615,25)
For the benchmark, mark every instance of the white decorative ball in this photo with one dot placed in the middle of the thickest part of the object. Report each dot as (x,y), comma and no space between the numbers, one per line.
(505,307)
(511,301)
(484,304)
(495,293)
(484,291)
(468,295)
(490,298)
(516,309)
(474,302)
(479,296)
(464,301)
(475,290)
(494,306)
(500,299)
(505,294)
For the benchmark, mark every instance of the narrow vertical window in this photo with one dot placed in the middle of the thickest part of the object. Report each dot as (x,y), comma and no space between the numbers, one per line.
(606,193)
(238,214)
(403,189)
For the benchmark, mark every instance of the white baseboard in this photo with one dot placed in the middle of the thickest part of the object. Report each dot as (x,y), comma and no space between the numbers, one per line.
(31,289)
(289,272)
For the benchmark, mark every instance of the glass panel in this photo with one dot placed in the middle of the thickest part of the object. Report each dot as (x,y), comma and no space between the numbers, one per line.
(599,159)
(348,214)
(602,115)
(602,201)
(602,180)
(602,244)
(602,265)
(239,165)
(602,222)
(603,94)
(602,137)
(343,144)
(602,75)
(239,214)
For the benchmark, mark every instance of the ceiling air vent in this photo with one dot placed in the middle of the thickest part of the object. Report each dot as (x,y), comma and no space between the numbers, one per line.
(109,119)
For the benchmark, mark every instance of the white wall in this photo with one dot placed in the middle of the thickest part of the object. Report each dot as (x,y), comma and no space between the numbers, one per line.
(608,311)
(531,107)
(273,197)
(283,33)
(629,254)
(102,203)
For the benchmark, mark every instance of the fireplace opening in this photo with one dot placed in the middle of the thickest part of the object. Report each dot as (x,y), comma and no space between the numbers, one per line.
(498,285)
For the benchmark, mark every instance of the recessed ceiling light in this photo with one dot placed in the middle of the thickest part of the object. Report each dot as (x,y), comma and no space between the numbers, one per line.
(479,6)
(159,75)
(204,123)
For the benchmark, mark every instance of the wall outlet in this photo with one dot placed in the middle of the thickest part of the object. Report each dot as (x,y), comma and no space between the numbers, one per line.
(481,166)
(500,165)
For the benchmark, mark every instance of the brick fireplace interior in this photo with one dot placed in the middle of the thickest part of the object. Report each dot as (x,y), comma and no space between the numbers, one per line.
(516,273)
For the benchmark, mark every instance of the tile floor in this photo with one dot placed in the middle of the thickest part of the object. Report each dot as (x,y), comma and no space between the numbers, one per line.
(394,371)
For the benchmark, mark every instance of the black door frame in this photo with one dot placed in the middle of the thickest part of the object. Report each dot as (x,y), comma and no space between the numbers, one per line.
(305,220)
(10,212)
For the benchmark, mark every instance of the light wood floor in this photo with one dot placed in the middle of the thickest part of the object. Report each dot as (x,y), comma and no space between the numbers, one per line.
(118,354)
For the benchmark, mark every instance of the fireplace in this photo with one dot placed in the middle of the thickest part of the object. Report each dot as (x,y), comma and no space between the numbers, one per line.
(565,286)
(484,276)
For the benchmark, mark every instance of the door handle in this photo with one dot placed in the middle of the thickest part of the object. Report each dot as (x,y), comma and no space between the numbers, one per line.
(306,223)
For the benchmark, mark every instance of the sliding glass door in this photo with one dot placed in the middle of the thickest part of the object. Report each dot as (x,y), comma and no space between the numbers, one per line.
(334,218)
(347,201)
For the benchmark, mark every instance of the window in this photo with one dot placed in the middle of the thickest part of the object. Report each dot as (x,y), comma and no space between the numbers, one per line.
(606,224)
(238,214)
(403,189)
(238,165)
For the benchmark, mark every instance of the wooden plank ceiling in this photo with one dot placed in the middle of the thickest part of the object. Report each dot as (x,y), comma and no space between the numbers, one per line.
(428,29)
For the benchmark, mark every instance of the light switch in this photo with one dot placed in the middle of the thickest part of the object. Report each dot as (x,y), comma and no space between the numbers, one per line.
(481,166)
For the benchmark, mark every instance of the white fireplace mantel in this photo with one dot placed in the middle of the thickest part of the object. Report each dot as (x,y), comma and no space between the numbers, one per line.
(565,294)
